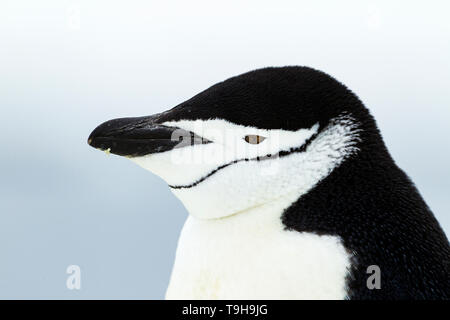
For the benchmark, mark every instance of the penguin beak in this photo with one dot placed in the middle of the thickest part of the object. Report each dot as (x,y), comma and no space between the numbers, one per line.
(135,137)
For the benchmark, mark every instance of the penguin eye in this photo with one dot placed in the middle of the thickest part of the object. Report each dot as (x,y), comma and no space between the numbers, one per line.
(254,139)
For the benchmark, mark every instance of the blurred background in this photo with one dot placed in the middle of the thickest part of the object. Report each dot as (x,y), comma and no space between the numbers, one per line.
(67,66)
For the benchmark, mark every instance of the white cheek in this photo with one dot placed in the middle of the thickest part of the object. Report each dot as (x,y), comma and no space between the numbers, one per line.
(248,184)
(189,164)
(235,187)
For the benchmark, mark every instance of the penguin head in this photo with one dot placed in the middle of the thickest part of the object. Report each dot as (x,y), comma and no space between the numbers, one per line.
(246,141)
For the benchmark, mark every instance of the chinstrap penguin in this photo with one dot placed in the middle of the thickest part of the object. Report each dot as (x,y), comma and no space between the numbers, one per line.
(290,190)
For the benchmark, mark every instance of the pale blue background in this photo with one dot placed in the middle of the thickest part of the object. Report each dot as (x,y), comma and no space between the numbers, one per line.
(66,66)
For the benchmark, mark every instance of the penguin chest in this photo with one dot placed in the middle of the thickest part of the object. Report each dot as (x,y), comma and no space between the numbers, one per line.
(238,259)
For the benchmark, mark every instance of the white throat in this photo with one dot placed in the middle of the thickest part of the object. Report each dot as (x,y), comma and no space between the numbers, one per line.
(251,256)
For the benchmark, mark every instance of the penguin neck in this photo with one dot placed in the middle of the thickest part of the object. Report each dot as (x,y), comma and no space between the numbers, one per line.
(270,211)
(261,218)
